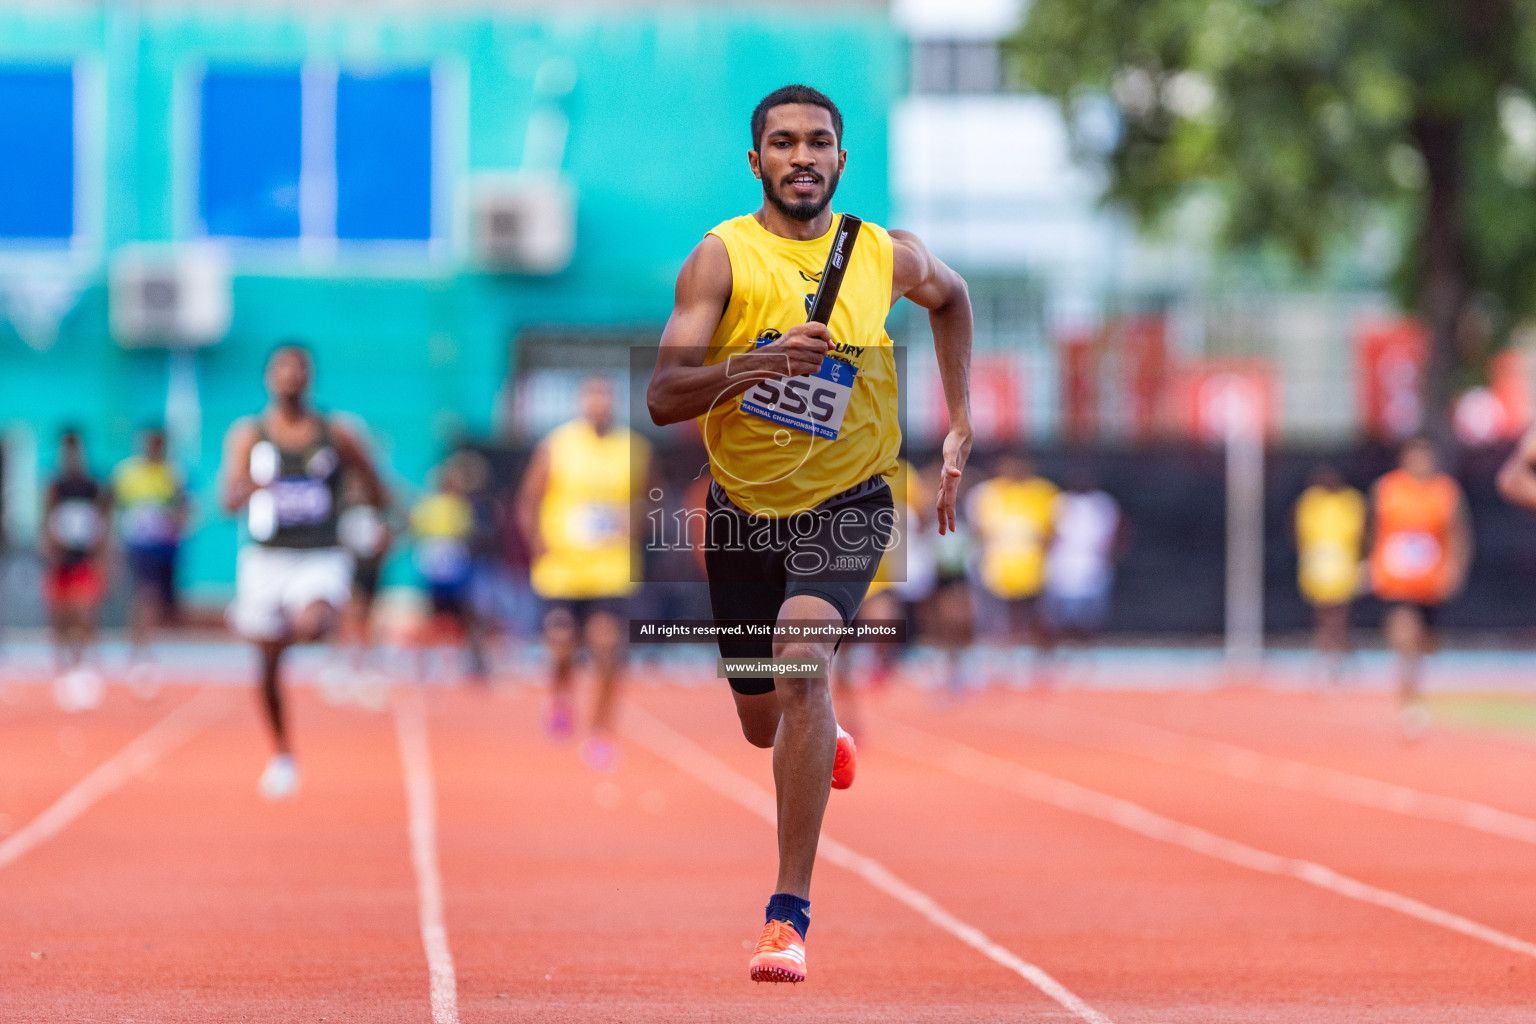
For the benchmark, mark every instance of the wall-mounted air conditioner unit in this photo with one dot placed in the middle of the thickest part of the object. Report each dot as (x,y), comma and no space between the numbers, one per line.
(169,295)
(524,224)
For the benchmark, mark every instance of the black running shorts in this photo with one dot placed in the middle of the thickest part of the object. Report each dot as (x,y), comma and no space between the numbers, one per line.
(756,564)
(581,609)
(1429,614)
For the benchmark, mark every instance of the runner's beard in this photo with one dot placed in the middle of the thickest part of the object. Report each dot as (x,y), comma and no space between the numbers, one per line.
(810,209)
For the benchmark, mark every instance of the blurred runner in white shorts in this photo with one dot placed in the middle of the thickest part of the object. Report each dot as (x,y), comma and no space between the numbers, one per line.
(284,468)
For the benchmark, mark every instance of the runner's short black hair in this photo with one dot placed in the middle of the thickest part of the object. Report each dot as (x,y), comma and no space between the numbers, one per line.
(298,345)
(793,94)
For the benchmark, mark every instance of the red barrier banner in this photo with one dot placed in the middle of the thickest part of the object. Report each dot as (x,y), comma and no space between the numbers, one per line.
(1145,353)
(1079,387)
(1500,411)
(999,401)
(1390,370)
(1217,395)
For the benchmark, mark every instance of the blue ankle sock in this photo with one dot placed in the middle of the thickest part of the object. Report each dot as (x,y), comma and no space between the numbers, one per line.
(783,906)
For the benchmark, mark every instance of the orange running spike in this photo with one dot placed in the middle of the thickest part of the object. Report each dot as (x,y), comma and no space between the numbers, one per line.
(845,763)
(780,954)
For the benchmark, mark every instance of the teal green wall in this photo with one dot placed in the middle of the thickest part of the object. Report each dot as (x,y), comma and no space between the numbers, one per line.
(657,152)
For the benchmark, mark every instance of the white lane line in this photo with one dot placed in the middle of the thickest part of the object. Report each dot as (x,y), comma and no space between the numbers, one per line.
(184,722)
(670,745)
(421,808)
(970,763)
(1183,750)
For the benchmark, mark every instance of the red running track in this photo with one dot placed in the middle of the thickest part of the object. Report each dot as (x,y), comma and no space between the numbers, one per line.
(570,895)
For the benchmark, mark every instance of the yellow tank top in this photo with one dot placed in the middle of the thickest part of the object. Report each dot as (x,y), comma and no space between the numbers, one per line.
(147,493)
(444,525)
(791,443)
(443,516)
(1330,529)
(584,518)
(1013,523)
(138,481)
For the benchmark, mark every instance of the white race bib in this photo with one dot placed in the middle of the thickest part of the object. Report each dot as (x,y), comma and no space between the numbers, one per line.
(599,523)
(1410,554)
(1328,561)
(814,404)
(75,524)
(299,501)
(442,560)
(148,524)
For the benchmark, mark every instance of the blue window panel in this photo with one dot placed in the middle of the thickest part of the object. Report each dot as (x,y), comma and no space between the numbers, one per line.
(384,156)
(37,152)
(251,155)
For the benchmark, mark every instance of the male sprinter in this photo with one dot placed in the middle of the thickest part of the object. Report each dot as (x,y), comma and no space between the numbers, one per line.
(574,507)
(800,422)
(1421,550)
(284,467)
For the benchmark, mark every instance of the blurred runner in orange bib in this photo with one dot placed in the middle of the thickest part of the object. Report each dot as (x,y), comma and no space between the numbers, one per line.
(1419,559)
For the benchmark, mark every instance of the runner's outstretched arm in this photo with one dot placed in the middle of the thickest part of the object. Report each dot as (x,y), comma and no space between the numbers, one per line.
(923,278)
(356,457)
(238,485)
(682,387)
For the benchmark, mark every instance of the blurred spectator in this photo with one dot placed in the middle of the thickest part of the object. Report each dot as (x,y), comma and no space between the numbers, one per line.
(1087,538)
(443,526)
(151,498)
(76,524)
(485,546)
(1011,516)
(1330,534)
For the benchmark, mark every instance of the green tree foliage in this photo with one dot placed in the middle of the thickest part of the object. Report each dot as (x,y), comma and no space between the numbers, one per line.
(1307,116)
